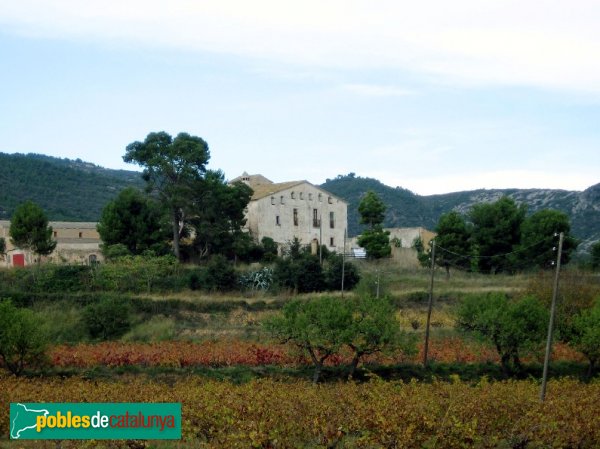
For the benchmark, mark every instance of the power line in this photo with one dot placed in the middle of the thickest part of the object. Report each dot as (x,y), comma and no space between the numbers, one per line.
(474,256)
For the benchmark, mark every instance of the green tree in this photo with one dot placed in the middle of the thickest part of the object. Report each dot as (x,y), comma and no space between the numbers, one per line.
(374,328)
(116,251)
(453,242)
(371,209)
(217,216)
(424,257)
(173,169)
(496,233)
(586,334)
(269,249)
(29,229)
(2,247)
(510,325)
(22,343)
(135,221)
(595,255)
(539,239)
(318,326)
(375,240)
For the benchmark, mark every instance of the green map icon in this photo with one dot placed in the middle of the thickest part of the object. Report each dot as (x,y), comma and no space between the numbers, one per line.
(24,419)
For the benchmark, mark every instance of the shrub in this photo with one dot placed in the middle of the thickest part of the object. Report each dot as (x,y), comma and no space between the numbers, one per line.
(577,292)
(220,274)
(510,325)
(108,319)
(269,248)
(64,278)
(374,328)
(333,274)
(586,334)
(157,328)
(322,326)
(257,280)
(22,343)
(302,273)
(62,321)
(318,326)
(138,273)
(195,280)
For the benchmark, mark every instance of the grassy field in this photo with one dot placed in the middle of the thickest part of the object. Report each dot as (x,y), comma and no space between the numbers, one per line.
(241,389)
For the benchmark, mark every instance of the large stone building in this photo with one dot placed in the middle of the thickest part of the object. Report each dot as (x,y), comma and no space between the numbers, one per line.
(299,209)
(77,242)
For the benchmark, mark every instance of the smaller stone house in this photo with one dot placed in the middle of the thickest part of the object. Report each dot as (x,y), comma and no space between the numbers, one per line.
(401,241)
(405,237)
(77,243)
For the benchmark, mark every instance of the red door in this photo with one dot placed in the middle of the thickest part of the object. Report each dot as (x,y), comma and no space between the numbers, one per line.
(18,260)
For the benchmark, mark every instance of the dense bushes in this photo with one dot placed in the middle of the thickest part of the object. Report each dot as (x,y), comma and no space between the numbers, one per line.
(144,274)
(108,319)
(302,271)
(22,342)
(511,325)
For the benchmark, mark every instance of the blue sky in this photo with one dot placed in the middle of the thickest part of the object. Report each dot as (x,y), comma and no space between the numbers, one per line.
(435,97)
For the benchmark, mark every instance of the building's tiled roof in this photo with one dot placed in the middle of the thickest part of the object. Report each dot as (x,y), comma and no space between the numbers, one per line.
(251,180)
(263,190)
(61,224)
(75,240)
(73,224)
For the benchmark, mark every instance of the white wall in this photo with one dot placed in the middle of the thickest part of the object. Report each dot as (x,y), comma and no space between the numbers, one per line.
(262,216)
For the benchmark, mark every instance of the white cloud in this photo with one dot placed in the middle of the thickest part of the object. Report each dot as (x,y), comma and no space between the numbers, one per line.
(374,90)
(549,44)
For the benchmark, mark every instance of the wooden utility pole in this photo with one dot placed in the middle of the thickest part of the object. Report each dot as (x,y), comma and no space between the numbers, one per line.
(430,306)
(551,323)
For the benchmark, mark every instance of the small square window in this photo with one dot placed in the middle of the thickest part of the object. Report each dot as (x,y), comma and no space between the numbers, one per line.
(80,234)
(330,200)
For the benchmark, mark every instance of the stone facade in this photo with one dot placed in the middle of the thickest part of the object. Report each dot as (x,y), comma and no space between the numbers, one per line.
(77,242)
(405,237)
(401,241)
(299,209)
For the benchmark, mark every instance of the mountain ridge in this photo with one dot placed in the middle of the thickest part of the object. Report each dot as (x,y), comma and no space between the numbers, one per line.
(74,190)
(408,209)
(68,190)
